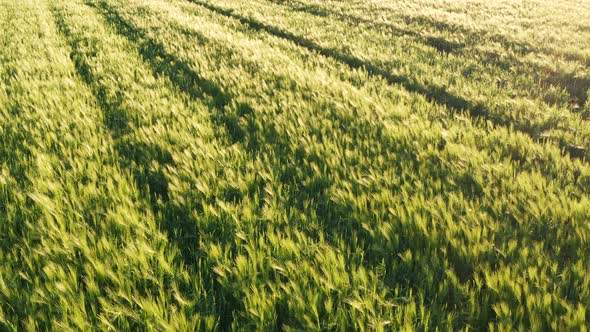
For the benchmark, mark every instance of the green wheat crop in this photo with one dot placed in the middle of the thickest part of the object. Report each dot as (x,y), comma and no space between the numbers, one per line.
(294,165)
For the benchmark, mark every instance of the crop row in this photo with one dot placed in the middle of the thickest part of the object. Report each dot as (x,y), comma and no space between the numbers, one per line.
(546,103)
(74,229)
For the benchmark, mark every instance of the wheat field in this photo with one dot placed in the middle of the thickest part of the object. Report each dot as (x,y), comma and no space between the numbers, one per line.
(294,165)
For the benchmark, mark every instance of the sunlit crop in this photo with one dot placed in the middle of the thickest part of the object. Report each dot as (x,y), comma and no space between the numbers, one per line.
(288,165)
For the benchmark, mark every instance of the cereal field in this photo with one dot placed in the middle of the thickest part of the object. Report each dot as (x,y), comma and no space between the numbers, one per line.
(294,165)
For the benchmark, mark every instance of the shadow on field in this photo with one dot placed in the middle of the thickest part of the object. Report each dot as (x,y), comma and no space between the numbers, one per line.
(304,185)
(177,221)
(519,47)
(117,120)
(576,87)
(433,93)
(178,71)
(440,44)
(424,21)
